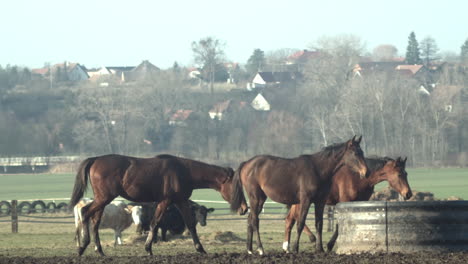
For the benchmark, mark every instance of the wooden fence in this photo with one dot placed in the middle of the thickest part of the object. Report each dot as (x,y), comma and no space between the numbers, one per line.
(27,212)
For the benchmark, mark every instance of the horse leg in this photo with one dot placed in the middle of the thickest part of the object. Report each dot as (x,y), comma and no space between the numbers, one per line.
(163,234)
(84,229)
(289,223)
(190,221)
(96,220)
(77,234)
(319,207)
(255,210)
(154,226)
(332,241)
(302,215)
(309,233)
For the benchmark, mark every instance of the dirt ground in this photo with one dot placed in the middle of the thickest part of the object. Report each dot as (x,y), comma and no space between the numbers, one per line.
(423,257)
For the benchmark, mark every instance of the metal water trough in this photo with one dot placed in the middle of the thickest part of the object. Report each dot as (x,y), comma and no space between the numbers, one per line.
(402,226)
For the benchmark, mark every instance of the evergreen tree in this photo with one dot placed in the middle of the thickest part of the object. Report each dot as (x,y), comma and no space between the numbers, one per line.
(256,61)
(175,67)
(412,51)
(464,52)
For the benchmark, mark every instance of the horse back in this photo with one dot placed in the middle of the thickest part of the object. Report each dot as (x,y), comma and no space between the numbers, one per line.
(282,179)
(156,179)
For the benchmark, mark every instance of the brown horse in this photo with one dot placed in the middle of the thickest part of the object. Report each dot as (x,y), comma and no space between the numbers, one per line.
(164,179)
(302,180)
(348,186)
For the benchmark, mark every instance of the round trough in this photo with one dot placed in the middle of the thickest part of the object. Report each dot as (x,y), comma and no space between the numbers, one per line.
(407,227)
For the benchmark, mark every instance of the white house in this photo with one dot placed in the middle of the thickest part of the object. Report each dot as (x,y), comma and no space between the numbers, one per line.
(260,103)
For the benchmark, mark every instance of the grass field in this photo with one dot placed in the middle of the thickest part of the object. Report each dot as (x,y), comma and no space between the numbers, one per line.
(442,182)
(223,234)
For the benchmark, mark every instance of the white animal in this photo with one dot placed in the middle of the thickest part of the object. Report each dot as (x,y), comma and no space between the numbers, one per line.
(117,216)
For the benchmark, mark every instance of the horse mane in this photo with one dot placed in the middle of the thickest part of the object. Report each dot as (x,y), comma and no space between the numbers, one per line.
(331,149)
(375,163)
(190,163)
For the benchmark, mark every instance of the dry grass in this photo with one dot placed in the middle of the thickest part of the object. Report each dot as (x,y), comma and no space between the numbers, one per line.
(57,239)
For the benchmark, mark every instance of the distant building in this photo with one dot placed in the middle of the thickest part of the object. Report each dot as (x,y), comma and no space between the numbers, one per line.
(63,72)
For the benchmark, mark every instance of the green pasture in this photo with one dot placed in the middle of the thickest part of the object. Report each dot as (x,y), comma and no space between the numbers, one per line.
(442,182)
(223,234)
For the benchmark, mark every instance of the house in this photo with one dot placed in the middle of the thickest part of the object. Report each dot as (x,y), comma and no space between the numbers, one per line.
(194,73)
(259,103)
(220,110)
(367,68)
(63,72)
(121,72)
(409,70)
(302,57)
(274,98)
(231,68)
(92,73)
(143,71)
(274,79)
(179,117)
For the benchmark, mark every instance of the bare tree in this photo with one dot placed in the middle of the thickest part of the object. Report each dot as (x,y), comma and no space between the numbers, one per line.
(208,52)
(429,50)
(384,52)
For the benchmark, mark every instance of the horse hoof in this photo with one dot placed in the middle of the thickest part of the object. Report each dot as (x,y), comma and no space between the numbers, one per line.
(200,249)
(81,251)
(286,246)
(149,252)
(260,251)
(249,252)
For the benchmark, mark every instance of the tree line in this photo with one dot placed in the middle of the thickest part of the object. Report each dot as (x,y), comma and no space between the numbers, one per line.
(326,105)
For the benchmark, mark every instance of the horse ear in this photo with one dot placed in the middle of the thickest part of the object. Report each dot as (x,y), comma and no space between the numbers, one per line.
(359,139)
(404,161)
(210,210)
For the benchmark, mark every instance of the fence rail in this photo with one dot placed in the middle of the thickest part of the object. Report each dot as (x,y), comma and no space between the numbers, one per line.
(24,212)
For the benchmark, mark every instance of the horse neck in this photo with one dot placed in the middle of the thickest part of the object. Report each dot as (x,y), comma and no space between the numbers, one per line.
(374,178)
(332,165)
(208,177)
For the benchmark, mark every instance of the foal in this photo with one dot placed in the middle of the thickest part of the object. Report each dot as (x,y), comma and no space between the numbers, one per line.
(348,186)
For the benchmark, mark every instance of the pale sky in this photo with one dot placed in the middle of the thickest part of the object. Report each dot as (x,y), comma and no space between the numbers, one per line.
(123,33)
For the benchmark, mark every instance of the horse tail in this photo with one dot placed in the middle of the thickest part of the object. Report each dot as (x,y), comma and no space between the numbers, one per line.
(81,181)
(237,195)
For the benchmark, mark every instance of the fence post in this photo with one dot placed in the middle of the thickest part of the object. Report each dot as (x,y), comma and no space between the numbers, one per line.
(14,216)
(330,218)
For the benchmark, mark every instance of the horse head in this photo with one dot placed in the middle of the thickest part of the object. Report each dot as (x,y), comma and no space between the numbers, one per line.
(353,157)
(398,177)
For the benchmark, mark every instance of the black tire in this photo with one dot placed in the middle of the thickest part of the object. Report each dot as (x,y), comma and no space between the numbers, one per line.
(24,208)
(5,208)
(62,207)
(40,204)
(51,207)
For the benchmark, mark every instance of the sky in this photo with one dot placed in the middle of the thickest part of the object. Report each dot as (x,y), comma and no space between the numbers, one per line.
(123,33)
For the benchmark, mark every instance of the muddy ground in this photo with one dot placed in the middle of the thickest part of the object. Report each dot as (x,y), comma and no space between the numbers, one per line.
(423,257)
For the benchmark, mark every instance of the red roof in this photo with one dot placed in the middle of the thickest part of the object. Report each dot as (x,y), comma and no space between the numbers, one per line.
(220,107)
(413,68)
(41,71)
(304,55)
(181,115)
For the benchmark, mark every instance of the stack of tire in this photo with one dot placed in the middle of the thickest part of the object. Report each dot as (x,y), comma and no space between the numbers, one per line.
(5,208)
(38,206)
